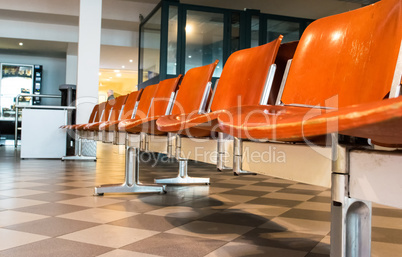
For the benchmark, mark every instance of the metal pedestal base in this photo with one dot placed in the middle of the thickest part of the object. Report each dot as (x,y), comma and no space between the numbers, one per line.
(126,188)
(351,228)
(182,177)
(132,183)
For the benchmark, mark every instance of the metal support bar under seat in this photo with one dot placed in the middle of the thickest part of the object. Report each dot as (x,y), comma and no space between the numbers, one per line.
(182,176)
(238,158)
(350,217)
(131,183)
(169,150)
(220,165)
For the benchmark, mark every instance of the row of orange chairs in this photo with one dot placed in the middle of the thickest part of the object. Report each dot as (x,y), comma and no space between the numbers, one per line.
(344,78)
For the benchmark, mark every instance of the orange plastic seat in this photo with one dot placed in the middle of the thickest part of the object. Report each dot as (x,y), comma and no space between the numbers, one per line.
(242,82)
(145,97)
(90,120)
(97,117)
(340,65)
(111,113)
(126,113)
(188,99)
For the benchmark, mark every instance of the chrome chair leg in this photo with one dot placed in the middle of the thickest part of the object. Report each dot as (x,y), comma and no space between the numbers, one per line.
(131,183)
(182,176)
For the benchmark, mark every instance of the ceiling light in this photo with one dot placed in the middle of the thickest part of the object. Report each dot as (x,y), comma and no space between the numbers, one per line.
(117,71)
(110,77)
(118,75)
(189,56)
(100,73)
(130,60)
(21,44)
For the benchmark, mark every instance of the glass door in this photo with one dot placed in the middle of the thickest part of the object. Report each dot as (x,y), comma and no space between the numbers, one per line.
(204,39)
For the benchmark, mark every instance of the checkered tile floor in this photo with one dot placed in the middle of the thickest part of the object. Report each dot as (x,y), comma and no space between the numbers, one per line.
(47,209)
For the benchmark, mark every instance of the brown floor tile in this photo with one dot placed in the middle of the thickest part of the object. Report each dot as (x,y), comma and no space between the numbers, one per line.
(52,226)
(151,222)
(175,245)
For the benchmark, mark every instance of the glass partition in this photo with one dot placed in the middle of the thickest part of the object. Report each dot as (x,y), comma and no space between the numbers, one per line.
(150,47)
(289,29)
(235,32)
(255,30)
(176,37)
(204,39)
(172,41)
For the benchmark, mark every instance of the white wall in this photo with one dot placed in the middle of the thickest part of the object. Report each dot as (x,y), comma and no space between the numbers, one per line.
(54,73)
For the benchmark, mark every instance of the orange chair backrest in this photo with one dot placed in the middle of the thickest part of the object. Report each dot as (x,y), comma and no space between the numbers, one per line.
(349,56)
(117,107)
(93,113)
(130,103)
(243,76)
(162,96)
(109,105)
(192,87)
(145,101)
(99,114)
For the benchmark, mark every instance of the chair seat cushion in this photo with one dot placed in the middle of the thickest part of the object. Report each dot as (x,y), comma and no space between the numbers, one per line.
(381,121)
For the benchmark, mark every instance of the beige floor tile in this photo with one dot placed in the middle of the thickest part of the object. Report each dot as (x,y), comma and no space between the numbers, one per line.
(379,249)
(10,217)
(20,192)
(211,230)
(79,191)
(325,193)
(386,222)
(78,184)
(97,215)
(91,201)
(10,238)
(240,250)
(125,253)
(25,184)
(307,187)
(181,212)
(109,235)
(13,203)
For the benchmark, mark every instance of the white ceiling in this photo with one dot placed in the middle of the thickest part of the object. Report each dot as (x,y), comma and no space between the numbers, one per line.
(123,16)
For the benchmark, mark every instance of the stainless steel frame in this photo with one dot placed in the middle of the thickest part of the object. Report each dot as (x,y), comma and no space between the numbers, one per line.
(238,158)
(131,183)
(350,217)
(282,87)
(268,85)
(182,176)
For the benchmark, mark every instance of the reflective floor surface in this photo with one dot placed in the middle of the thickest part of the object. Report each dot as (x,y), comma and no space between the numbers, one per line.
(47,208)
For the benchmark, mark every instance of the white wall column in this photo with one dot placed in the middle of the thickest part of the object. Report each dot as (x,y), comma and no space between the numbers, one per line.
(71,63)
(88,57)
